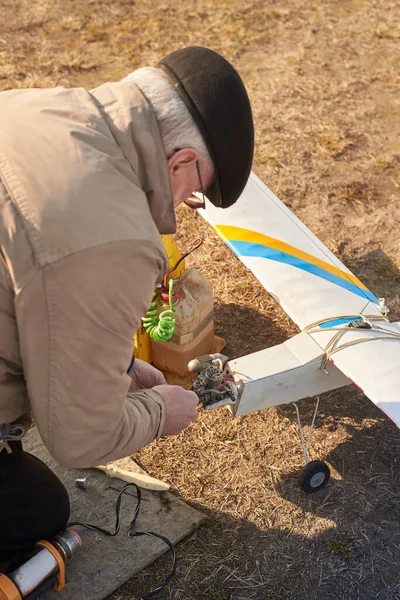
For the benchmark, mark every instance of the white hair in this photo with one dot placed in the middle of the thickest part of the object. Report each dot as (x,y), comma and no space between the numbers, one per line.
(178,129)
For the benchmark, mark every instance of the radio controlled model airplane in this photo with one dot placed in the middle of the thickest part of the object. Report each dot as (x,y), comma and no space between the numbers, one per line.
(345,338)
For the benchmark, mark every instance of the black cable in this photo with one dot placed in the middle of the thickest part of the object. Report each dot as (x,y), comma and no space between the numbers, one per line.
(160,587)
(150,595)
(117,514)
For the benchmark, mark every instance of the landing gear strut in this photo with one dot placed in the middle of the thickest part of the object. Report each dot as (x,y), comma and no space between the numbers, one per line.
(315,475)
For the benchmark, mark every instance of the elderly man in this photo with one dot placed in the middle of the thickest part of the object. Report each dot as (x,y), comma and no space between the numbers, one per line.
(88,182)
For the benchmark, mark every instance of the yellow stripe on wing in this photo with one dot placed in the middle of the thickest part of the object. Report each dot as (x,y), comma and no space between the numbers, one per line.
(230,233)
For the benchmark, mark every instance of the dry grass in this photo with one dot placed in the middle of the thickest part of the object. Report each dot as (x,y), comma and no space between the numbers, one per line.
(323,79)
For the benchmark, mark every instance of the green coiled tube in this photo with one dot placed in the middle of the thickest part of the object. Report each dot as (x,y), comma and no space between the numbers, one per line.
(160,327)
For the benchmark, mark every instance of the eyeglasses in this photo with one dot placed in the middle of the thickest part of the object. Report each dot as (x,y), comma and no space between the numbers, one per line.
(194,201)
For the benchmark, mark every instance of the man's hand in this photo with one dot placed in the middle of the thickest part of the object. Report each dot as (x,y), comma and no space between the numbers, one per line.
(181,408)
(144,376)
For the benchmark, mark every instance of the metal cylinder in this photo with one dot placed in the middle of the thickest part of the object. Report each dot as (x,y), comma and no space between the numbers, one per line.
(41,564)
(67,543)
(82,482)
(213,378)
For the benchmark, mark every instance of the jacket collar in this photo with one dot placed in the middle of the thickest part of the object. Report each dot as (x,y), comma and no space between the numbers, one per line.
(135,129)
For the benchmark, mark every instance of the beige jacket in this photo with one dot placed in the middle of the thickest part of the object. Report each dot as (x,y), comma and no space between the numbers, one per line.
(84,196)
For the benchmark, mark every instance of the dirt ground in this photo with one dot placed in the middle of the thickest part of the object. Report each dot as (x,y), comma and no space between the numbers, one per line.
(323,78)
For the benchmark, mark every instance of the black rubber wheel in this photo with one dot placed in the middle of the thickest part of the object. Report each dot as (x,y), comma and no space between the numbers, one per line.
(314,476)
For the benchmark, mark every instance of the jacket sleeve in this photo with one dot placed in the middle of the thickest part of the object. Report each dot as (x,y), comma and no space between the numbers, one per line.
(76,319)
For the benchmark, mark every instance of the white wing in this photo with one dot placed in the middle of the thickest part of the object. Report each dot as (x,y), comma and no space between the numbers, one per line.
(312,285)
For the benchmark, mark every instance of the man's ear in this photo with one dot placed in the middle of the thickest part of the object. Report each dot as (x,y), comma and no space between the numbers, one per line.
(182,160)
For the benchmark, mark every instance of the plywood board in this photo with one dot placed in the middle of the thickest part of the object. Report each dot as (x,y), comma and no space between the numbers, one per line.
(105,563)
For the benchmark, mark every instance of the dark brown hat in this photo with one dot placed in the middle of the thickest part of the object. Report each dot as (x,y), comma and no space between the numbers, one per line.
(217,100)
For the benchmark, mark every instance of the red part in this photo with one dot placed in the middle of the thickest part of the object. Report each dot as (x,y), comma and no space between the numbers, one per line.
(357,386)
(165,297)
(77,536)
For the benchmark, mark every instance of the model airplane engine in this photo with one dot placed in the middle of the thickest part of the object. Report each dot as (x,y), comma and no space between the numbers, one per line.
(215,385)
